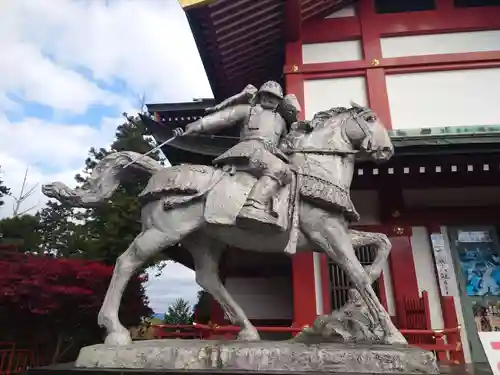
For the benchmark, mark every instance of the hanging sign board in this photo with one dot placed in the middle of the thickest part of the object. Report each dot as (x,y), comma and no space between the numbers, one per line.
(442,260)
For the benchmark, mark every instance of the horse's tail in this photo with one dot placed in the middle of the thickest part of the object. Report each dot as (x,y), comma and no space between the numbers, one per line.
(104,180)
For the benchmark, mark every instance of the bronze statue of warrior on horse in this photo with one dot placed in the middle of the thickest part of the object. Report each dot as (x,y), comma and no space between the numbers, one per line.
(283,188)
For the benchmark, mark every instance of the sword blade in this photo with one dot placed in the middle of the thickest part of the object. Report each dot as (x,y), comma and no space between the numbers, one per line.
(150,151)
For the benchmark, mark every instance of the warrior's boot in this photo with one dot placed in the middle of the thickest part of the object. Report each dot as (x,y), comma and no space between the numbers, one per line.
(258,213)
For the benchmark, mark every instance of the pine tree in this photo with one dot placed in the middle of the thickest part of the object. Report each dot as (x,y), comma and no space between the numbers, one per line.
(179,312)
(60,234)
(202,308)
(4,190)
(112,226)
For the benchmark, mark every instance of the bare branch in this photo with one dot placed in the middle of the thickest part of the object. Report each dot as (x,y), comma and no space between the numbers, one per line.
(23,195)
(141,99)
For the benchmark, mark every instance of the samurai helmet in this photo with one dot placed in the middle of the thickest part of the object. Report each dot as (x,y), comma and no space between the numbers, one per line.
(273,88)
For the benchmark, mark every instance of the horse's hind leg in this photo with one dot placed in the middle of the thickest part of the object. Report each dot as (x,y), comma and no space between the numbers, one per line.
(206,254)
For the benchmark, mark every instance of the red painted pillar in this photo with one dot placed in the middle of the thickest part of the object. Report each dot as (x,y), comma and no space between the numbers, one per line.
(402,266)
(304,294)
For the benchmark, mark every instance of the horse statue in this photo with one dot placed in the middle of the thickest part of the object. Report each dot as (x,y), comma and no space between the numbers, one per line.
(197,206)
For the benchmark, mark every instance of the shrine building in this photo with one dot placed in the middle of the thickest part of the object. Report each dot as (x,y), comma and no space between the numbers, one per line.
(430,69)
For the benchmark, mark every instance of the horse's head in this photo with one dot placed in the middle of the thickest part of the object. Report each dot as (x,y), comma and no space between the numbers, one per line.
(357,128)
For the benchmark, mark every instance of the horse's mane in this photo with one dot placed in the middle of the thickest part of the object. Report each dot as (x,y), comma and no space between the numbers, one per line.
(320,118)
(302,128)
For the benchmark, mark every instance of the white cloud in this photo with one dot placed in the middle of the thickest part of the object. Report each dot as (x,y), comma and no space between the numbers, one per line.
(74,56)
(176,281)
(51,151)
(146,44)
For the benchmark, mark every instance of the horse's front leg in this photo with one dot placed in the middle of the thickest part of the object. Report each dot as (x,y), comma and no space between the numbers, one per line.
(206,254)
(145,245)
(330,233)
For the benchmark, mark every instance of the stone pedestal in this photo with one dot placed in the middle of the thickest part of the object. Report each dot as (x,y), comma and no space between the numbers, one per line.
(260,356)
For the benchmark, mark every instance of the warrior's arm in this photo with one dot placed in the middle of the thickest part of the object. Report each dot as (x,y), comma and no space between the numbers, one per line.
(289,109)
(242,97)
(216,121)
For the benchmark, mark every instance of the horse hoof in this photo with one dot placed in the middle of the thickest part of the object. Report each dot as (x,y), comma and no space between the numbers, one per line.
(248,335)
(118,338)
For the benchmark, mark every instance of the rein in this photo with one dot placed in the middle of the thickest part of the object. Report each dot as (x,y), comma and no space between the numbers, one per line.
(321,151)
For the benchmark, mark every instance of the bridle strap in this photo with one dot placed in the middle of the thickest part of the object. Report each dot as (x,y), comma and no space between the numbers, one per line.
(320,151)
(362,125)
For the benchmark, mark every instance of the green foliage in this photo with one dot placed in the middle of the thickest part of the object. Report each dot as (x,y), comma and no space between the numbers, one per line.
(60,233)
(4,190)
(179,312)
(23,231)
(99,234)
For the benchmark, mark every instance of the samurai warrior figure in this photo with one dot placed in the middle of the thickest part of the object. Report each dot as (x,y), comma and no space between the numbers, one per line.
(264,116)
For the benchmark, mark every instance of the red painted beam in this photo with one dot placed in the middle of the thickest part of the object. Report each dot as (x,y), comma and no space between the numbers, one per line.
(331,30)
(449,61)
(437,21)
(331,67)
(446,18)
(293,20)
(455,59)
(448,216)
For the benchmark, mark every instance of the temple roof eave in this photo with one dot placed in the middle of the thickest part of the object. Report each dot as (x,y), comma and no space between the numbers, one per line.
(436,140)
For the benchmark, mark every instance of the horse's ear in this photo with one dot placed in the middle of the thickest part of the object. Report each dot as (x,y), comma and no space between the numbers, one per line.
(356,105)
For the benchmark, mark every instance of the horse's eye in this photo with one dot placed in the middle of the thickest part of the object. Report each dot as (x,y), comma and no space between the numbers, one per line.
(370,118)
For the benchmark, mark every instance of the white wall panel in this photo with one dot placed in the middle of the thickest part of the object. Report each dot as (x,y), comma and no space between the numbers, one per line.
(425,270)
(389,291)
(263,298)
(418,45)
(448,98)
(349,50)
(348,11)
(322,94)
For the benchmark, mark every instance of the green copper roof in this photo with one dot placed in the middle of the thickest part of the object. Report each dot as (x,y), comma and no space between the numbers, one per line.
(445,135)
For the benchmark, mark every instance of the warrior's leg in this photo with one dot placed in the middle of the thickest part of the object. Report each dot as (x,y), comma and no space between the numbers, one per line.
(275,174)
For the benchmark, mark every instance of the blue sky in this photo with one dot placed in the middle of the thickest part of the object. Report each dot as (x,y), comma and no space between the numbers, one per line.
(69,69)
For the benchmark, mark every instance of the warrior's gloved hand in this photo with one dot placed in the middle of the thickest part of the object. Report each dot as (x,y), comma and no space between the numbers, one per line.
(178,132)
(191,128)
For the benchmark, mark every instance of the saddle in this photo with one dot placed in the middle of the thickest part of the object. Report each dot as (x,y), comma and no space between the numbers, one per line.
(226,199)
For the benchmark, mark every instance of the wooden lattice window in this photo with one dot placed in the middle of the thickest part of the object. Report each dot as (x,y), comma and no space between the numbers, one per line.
(340,283)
